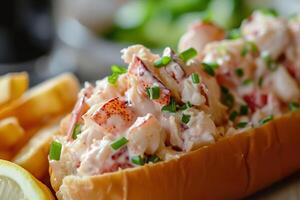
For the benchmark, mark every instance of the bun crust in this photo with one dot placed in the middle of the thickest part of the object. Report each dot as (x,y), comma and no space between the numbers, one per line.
(232,168)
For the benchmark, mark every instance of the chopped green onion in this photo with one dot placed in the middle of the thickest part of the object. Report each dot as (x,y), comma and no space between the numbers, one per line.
(138,160)
(266,119)
(233,115)
(260,81)
(239,72)
(249,47)
(163,61)
(76,131)
(112,79)
(244,110)
(119,143)
(171,107)
(242,124)
(209,68)
(55,150)
(185,118)
(226,97)
(195,78)
(269,11)
(247,82)
(224,90)
(234,34)
(188,54)
(153,92)
(185,106)
(116,71)
(293,106)
(153,159)
(271,64)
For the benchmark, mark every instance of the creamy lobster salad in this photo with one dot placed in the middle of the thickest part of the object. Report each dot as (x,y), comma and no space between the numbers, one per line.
(161,106)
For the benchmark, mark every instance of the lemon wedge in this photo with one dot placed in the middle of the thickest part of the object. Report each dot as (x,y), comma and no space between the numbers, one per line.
(18,184)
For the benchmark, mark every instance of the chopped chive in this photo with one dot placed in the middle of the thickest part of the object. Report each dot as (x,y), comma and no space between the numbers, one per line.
(163,61)
(234,34)
(195,78)
(249,47)
(244,110)
(153,159)
(239,72)
(226,98)
(55,150)
(185,118)
(119,143)
(260,81)
(209,68)
(171,107)
(185,106)
(233,115)
(271,64)
(116,71)
(269,11)
(247,82)
(293,106)
(242,124)
(138,160)
(266,119)
(188,54)
(153,92)
(224,90)
(112,79)
(76,131)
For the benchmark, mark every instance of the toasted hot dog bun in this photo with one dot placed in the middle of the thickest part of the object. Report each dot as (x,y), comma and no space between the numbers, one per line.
(232,168)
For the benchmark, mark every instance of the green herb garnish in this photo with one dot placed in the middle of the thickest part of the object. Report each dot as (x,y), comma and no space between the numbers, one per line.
(163,61)
(116,71)
(271,64)
(188,54)
(209,68)
(242,124)
(226,97)
(244,110)
(138,160)
(171,107)
(247,82)
(233,115)
(55,150)
(239,72)
(185,118)
(234,34)
(266,119)
(293,106)
(195,78)
(76,131)
(119,143)
(249,47)
(153,92)
(153,159)
(185,106)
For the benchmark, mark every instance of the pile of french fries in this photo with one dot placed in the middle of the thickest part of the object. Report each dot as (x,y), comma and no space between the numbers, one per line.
(29,118)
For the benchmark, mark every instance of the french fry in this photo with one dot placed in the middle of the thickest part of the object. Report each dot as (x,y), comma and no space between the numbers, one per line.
(45,101)
(6,155)
(12,86)
(34,155)
(10,132)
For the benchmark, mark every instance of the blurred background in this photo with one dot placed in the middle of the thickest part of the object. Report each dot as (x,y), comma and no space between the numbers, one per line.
(48,37)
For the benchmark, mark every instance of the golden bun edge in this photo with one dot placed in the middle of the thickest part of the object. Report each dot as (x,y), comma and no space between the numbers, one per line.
(232,168)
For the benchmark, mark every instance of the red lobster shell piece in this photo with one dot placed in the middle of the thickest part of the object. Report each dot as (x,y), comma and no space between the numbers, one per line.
(147,80)
(114,116)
